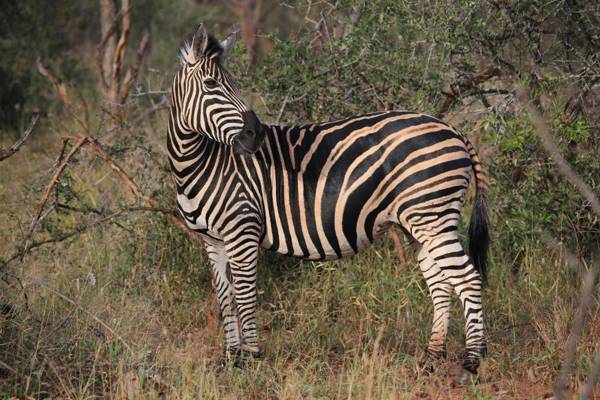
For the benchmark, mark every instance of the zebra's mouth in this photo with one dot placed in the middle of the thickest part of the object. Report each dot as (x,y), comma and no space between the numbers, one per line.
(243,144)
(251,138)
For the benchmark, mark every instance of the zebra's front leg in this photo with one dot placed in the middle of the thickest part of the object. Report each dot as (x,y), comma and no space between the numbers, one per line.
(440,291)
(243,250)
(221,276)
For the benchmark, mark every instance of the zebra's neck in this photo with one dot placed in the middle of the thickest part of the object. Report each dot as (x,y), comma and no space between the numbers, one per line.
(281,146)
(192,153)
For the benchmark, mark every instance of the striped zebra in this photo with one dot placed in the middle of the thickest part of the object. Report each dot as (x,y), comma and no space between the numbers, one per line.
(320,191)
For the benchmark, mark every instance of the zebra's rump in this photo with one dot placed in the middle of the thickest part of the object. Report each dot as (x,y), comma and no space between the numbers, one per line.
(335,187)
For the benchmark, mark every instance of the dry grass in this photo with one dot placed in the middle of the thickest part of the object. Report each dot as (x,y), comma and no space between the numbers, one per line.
(350,330)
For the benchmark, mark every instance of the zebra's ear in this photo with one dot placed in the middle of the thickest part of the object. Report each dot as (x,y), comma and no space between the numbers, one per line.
(199,42)
(227,45)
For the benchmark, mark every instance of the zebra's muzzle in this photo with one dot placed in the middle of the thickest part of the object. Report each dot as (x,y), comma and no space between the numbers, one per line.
(252,135)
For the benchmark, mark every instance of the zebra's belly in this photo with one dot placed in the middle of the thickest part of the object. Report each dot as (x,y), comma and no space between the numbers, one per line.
(309,251)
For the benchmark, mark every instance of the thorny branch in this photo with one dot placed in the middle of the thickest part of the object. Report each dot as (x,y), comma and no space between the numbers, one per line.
(62,162)
(4,154)
(80,141)
(57,173)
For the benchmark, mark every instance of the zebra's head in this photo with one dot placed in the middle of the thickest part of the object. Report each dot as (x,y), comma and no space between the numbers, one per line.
(207,100)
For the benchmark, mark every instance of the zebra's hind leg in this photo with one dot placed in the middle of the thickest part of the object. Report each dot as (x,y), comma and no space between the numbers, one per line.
(440,291)
(446,251)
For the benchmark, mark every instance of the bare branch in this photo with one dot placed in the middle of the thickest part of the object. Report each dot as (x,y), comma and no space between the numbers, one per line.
(57,173)
(283,104)
(59,87)
(4,154)
(19,254)
(452,92)
(135,189)
(132,71)
(61,91)
(398,245)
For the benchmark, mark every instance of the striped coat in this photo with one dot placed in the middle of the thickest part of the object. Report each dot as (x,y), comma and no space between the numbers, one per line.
(320,191)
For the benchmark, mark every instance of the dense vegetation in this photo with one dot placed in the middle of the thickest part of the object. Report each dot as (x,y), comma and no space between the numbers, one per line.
(118,301)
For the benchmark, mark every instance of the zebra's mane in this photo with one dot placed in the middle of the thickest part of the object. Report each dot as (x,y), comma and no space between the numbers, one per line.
(191,53)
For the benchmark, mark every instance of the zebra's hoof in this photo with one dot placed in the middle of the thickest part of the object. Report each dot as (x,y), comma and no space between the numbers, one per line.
(229,357)
(464,377)
(430,360)
(243,356)
(237,358)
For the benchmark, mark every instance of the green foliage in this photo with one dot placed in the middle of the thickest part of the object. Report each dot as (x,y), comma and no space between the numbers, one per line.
(529,194)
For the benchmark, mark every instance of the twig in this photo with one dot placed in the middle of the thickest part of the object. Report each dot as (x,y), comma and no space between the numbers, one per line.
(4,154)
(59,170)
(398,245)
(57,239)
(61,238)
(68,391)
(161,105)
(84,106)
(7,367)
(151,92)
(61,91)
(285,101)
(453,91)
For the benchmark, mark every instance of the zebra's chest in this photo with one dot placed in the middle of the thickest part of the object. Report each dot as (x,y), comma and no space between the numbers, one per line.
(195,213)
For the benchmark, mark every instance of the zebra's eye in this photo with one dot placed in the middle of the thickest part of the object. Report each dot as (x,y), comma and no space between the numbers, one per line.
(211,83)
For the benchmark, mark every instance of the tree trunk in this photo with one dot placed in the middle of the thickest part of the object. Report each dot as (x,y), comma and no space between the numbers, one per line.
(248,12)
(108,13)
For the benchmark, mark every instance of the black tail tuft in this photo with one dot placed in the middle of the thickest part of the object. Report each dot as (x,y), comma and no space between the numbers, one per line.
(479,236)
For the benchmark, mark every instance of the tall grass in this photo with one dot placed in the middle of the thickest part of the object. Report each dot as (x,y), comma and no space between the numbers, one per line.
(345,329)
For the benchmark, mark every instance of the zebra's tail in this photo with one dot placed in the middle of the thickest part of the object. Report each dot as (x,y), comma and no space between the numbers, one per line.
(479,236)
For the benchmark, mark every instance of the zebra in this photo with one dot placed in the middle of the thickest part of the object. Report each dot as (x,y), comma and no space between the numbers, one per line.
(320,191)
